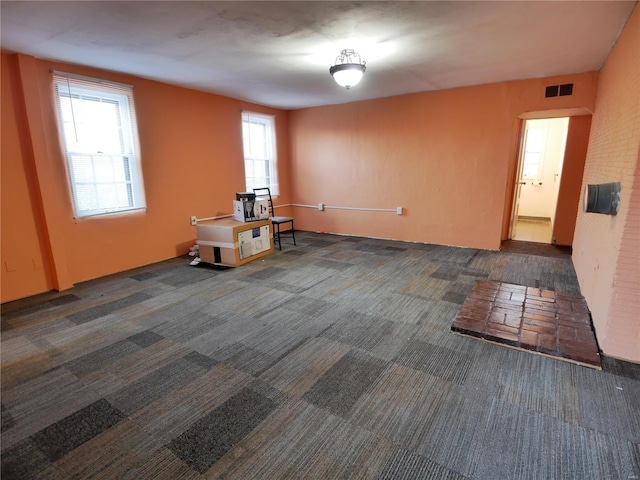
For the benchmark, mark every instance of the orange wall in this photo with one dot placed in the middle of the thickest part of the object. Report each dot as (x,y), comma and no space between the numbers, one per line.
(606,251)
(571,179)
(192,164)
(446,157)
(25,266)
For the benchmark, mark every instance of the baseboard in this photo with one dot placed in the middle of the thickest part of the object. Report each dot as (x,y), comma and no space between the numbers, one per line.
(537,219)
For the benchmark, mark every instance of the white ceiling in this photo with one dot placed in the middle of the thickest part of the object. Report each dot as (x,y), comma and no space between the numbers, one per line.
(279,53)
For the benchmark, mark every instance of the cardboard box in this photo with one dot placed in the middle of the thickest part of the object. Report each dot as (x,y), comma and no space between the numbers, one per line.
(250,211)
(231,243)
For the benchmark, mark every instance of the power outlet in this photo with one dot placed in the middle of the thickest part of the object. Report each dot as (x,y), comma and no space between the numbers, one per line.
(194,220)
(321,206)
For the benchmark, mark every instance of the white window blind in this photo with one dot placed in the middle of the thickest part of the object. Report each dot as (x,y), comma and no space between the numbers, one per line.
(99,134)
(259,143)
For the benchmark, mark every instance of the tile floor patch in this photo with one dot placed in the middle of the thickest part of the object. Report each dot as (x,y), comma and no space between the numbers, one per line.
(530,318)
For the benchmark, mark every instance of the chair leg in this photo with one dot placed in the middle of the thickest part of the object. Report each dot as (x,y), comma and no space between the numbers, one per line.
(279,241)
(293,233)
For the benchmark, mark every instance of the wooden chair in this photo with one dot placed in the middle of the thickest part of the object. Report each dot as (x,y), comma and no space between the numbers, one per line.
(276,221)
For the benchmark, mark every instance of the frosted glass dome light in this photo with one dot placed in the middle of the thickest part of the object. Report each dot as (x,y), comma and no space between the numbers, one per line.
(349,69)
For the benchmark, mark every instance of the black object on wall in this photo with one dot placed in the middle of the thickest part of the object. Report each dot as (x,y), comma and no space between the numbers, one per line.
(603,198)
(551,91)
(566,89)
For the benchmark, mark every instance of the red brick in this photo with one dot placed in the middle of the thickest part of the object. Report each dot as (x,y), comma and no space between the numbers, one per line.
(530,312)
(513,320)
(467,323)
(589,358)
(535,319)
(539,305)
(563,305)
(529,338)
(580,307)
(567,333)
(539,329)
(493,334)
(568,298)
(575,345)
(502,328)
(482,296)
(533,291)
(573,321)
(518,297)
(473,312)
(547,342)
(507,311)
(540,321)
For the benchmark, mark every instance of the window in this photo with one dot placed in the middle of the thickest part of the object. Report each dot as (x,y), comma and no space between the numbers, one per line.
(259,143)
(533,150)
(98,129)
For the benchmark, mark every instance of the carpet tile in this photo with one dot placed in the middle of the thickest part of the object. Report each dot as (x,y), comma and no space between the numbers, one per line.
(97,359)
(332,359)
(153,386)
(58,439)
(103,309)
(144,276)
(216,433)
(146,338)
(400,404)
(405,465)
(185,276)
(64,299)
(435,360)
(23,460)
(200,360)
(341,386)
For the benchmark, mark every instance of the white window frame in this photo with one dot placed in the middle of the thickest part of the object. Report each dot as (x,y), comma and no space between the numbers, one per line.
(263,159)
(534,152)
(102,182)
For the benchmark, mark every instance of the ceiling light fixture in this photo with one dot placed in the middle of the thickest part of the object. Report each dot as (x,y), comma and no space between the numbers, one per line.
(348,69)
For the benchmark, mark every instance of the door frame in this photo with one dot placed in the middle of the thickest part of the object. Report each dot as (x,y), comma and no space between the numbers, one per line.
(513,173)
(517,184)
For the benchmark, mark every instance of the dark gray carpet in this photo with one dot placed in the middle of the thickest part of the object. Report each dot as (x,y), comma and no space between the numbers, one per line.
(332,359)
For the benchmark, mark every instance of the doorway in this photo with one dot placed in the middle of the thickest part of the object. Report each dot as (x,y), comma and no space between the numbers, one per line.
(538,178)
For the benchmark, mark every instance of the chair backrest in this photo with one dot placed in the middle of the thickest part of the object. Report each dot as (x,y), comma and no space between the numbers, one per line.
(265,192)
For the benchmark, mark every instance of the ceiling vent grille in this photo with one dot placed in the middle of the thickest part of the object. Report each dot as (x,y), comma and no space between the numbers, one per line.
(566,89)
(559,90)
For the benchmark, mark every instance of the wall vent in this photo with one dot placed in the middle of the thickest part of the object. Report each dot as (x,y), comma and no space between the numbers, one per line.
(561,90)
(551,91)
(566,89)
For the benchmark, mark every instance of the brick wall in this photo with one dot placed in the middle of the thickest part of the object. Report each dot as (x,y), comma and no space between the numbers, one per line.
(606,248)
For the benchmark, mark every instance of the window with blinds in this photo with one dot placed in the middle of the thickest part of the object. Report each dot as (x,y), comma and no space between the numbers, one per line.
(535,138)
(259,143)
(99,135)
